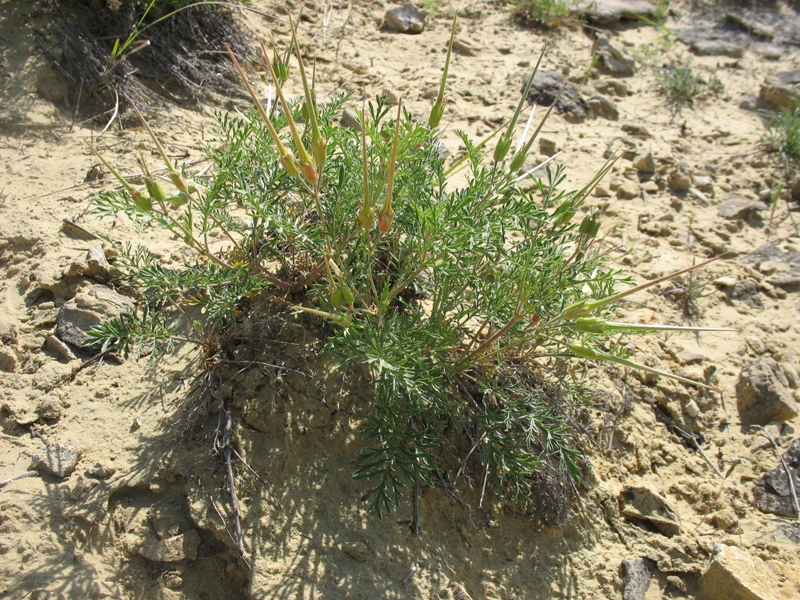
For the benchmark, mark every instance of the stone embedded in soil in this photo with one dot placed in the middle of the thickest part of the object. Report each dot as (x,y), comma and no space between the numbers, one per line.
(762,393)
(645,163)
(408,18)
(725,519)
(169,550)
(738,207)
(679,180)
(574,104)
(646,503)
(736,575)
(49,408)
(86,310)
(636,576)
(706,41)
(769,251)
(57,460)
(94,265)
(780,90)
(357,551)
(8,359)
(465,47)
(612,60)
(608,11)
(773,493)
(747,292)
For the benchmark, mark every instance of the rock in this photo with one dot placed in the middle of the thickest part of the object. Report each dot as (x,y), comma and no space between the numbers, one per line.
(608,11)
(796,189)
(780,91)
(576,104)
(746,291)
(548,146)
(679,181)
(736,575)
(56,460)
(169,550)
(612,60)
(645,163)
(465,47)
(101,471)
(750,26)
(603,107)
(706,41)
(687,357)
(725,519)
(737,207)
(636,576)
(392,97)
(350,119)
(358,551)
(762,393)
(94,265)
(544,91)
(49,408)
(408,18)
(773,494)
(8,359)
(646,503)
(628,190)
(86,310)
(771,252)
(54,344)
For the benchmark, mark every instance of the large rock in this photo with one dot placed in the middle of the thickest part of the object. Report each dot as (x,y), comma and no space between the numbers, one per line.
(762,393)
(738,207)
(169,550)
(87,309)
(613,60)
(57,460)
(736,575)
(646,503)
(706,41)
(608,11)
(773,493)
(574,104)
(408,18)
(780,90)
(636,576)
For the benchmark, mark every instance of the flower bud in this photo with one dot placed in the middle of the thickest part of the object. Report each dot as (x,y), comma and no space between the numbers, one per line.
(502,148)
(291,165)
(343,320)
(347,294)
(517,161)
(337,299)
(319,149)
(437,110)
(583,351)
(142,202)
(155,190)
(179,182)
(578,309)
(385,218)
(309,172)
(366,216)
(589,226)
(591,325)
(178,200)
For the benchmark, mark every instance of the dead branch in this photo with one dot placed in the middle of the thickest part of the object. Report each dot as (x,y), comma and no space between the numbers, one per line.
(5,482)
(786,470)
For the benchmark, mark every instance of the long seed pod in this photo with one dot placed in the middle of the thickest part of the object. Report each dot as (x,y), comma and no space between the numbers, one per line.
(283,152)
(306,163)
(437,110)
(386,213)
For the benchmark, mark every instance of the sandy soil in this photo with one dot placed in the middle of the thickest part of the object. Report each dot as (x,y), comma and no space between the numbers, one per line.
(308,534)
